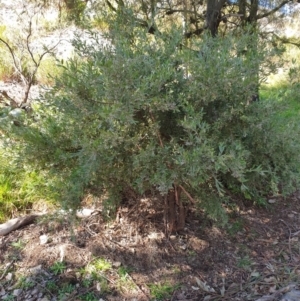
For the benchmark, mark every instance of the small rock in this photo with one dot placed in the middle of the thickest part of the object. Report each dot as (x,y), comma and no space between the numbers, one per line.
(85,212)
(35,269)
(116,264)
(2,292)
(44,239)
(293,295)
(183,247)
(34,291)
(8,277)
(17,292)
(78,275)
(98,286)
(271,201)
(16,113)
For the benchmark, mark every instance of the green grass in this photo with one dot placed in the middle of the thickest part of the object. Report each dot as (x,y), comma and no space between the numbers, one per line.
(244,263)
(47,71)
(89,297)
(284,100)
(125,282)
(19,244)
(20,188)
(162,291)
(25,283)
(99,265)
(235,227)
(58,267)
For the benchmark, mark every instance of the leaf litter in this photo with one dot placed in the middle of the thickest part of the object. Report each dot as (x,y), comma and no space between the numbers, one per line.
(257,258)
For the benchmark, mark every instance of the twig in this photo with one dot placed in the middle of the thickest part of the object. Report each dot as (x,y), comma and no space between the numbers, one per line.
(187,194)
(12,103)
(44,287)
(12,53)
(277,293)
(296,233)
(290,234)
(158,133)
(6,269)
(138,286)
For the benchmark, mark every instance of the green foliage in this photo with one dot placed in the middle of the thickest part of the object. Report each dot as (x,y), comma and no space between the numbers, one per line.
(6,67)
(146,113)
(19,187)
(51,286)
(244,263)
(58,267)
(64,291)
(235,227)
(162,291)
(47,72)
(125,282)
(89,297)
(99,265)
(25,283)
(123,272)
(9,297)
(19,244)
(75,10)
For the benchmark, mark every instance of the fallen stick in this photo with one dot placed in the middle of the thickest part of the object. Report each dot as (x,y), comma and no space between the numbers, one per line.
(275,295)
(16,223)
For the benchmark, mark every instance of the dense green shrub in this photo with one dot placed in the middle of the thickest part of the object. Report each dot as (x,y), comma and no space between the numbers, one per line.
(149,112)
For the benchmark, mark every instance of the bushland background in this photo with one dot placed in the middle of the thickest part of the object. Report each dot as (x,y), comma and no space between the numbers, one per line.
(176,122)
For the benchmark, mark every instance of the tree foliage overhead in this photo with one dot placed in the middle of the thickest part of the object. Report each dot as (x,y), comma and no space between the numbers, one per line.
(197,16)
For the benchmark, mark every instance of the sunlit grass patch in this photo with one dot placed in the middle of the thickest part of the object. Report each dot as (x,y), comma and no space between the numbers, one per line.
(20,189)
(162,291)
(47,71)
(286,98)
(99,265)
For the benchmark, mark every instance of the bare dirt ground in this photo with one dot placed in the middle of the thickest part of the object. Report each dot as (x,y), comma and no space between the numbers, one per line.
(255,257)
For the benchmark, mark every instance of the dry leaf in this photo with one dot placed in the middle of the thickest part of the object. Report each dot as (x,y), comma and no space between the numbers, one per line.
(272,289)
(255,274)
(222,291)
(205,287)
(270,279)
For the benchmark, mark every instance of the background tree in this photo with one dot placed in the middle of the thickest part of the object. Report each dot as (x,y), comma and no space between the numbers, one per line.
(26,55)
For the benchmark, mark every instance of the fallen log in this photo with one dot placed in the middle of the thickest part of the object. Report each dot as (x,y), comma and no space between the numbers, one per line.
(16,223)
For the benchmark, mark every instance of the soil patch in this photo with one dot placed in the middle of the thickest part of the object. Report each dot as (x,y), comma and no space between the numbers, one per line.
(257,254)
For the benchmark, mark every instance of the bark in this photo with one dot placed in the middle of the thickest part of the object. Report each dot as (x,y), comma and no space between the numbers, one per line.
(213,15)
(175,211)
(16,223)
